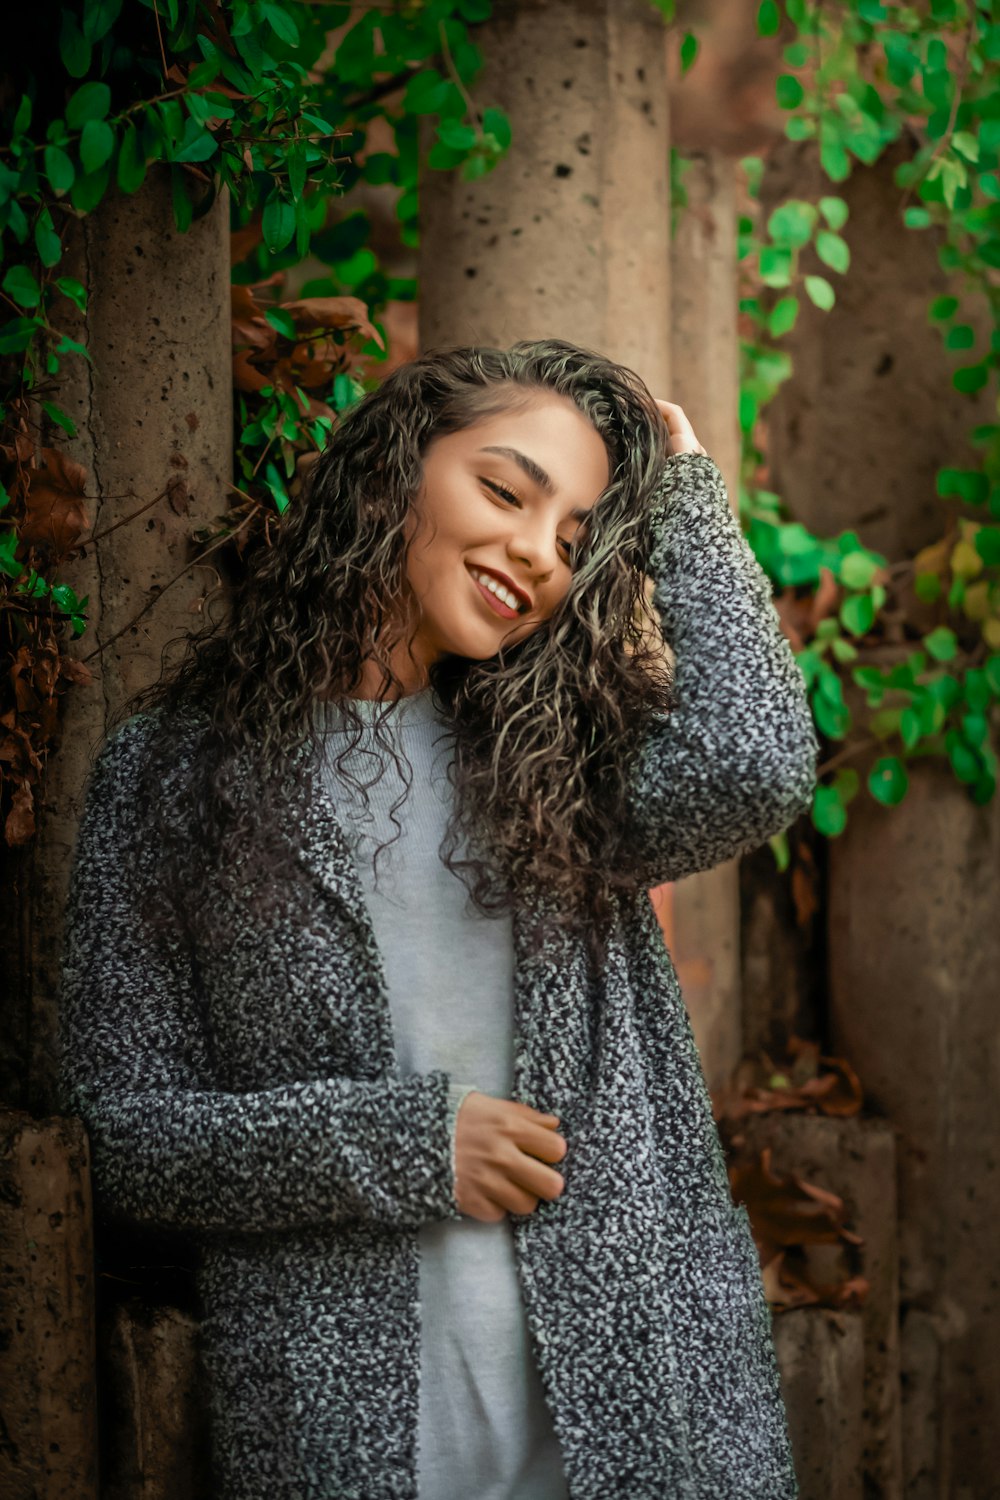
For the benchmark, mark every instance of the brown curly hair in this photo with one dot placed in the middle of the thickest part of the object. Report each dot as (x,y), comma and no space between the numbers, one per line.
(544,733)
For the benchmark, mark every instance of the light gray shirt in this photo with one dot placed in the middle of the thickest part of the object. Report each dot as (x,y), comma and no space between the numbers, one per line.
(485,1430)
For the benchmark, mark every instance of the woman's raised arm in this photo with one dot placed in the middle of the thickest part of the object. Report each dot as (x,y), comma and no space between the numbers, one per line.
(169,1147)
(735,761)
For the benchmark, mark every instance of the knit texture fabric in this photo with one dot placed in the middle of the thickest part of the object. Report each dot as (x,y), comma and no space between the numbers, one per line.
(251,1095)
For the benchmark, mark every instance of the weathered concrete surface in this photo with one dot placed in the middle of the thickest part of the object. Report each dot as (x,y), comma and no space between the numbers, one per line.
(856,1159)
(869,416)
(705,381)
(821,1358)
(156,1433)
(914,959)
(48,1423)
(783,978)
(567,238)
(153,410)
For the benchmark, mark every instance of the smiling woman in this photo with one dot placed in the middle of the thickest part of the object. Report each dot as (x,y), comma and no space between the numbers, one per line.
(500,505)
(291,1032)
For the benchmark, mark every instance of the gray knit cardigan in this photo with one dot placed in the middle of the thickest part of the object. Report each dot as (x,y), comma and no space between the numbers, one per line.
(251,1095)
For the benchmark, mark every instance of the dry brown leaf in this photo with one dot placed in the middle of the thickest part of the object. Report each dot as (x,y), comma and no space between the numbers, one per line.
(54,514)
(309,313)
(19,826)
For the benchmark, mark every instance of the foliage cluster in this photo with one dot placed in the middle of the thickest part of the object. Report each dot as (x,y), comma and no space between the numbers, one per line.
(857,77)
(273,101)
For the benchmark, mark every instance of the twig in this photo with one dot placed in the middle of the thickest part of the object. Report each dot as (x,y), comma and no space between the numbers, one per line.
(159,38)
(99,536)
(170,582)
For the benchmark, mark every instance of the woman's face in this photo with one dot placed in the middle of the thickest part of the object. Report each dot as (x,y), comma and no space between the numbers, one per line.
(490,531)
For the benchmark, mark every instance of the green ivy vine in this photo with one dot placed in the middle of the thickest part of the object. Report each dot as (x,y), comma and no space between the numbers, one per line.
(855,75)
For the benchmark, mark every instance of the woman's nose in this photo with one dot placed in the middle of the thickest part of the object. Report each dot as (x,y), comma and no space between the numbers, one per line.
(536,547)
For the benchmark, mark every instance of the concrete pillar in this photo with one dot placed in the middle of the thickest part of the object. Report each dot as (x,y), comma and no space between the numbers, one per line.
(821,1359)
(856,1159)
(914,957)
(156,1430)
(48,1437)
(153,412)
(705,380)
(567,238)
(857,435)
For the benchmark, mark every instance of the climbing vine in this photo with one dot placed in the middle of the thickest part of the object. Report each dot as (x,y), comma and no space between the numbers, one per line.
(273,102)
(856,76)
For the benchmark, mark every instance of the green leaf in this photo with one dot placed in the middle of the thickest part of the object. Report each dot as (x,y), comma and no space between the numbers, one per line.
(791,224)
(789,91)
(181,200)
(278,224)
(200,148)
(131,162)
(73,290)
(47,242)
(987,544)
(943,308)
(496,124)
(857,613)
(971,378)
(456,135)
(17,334)
(783,316)
(88,190)
(74,49)
(59,169)
(991,671)
(775,266)
(98,18)
(768,18)
(281,23)
(834,211)
(90,102)
(57,415)
(20,284)
(964,760)
(960,336)
(833,251)
(829,815)
(942,643)
(282,321)
(967,144)
(689,50)
(820,292)
(858,569)
(97,142)
(887,781)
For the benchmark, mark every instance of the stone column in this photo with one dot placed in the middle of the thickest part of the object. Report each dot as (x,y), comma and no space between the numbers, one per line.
(855,440)
(705,380)
(153,411)
(567,238)
(914,959)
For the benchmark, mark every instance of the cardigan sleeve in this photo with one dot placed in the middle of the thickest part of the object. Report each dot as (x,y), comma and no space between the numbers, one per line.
(169,1147)
(734,761)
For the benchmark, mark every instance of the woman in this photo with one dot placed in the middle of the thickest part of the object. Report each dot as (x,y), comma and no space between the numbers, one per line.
(362,985)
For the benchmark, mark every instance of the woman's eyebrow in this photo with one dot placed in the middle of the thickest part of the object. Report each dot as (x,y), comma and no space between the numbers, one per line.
(534,471)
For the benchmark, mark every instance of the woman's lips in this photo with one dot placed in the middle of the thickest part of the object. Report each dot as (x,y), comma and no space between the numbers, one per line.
(495,604)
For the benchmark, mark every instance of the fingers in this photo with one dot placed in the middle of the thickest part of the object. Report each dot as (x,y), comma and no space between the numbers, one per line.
(681,434)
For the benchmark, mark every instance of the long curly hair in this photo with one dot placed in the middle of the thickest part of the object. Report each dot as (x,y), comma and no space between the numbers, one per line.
(544,733)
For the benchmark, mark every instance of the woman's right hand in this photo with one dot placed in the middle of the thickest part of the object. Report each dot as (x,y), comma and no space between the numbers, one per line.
(501,1148)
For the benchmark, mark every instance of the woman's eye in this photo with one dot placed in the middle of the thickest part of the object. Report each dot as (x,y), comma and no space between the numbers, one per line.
(500,489)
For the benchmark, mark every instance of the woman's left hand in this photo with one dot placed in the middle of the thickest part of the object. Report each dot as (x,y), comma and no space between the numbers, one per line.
(682,438)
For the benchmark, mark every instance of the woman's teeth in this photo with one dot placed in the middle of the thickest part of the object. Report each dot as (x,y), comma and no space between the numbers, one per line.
(503,594)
